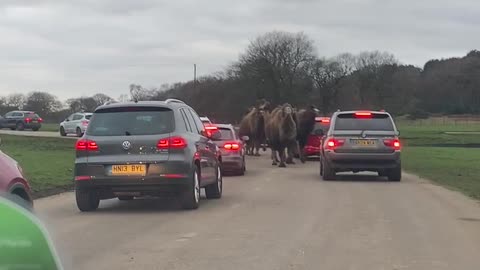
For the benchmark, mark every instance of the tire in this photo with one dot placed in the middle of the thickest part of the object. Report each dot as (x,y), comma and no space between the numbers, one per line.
(321,167)
(87,200)
(214,191)
(328,172)
(395,174)
(20,126)
(62,132)
(125,198)
(79,132)
(191,196)
(35,129)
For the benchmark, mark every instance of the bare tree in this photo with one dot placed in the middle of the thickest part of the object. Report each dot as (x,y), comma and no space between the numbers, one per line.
(101,98)
(16,100)
(277,61)
(42,103)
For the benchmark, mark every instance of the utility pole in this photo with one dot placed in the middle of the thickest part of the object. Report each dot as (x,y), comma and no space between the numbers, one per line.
(194,75)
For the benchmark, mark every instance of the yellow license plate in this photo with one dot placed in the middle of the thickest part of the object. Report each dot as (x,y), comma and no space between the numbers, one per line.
(131,169)
(364,142)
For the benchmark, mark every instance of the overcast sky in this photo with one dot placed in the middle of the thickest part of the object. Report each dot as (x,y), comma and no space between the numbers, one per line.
(74,48)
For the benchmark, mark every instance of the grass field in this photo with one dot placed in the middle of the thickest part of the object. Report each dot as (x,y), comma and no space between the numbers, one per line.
(47,162)
(448,154)
(50,127)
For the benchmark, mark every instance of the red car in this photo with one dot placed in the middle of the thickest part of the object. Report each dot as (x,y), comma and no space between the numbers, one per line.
(314,140)
(12,180)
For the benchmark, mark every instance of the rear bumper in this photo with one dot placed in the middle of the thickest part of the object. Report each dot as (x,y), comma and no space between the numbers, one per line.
(312,150)
(232,163)
(33,125)
(161,178)
(362,161)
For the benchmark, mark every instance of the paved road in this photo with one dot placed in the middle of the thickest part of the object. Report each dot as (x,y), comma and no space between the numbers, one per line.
(277,218)
(34,133)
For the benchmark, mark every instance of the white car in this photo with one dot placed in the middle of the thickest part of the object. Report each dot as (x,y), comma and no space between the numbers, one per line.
(76,124)
(205,120)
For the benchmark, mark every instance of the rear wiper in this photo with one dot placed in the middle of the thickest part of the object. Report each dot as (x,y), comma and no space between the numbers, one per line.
(127,133)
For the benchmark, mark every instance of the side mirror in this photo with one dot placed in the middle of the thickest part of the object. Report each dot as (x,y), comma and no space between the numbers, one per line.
(67,120)
(245,138)
(319,132)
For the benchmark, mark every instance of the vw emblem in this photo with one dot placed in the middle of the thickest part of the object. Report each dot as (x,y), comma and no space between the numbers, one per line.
(364,134)
(126,145)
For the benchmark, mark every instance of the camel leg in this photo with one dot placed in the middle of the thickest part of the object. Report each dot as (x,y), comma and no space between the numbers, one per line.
(257,148)
(290,154)
(273,155)
(282,159)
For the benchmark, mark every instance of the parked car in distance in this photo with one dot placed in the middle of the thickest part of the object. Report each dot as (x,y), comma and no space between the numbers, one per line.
(205,120)
(146,148)
(20,120)
(312,148)
(231,147)
(76,123)
(361,141)
(12,180)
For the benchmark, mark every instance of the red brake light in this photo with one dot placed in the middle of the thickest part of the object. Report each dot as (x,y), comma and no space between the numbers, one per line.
(324,120)
(394,143)
(40,120)
(172,142)
(363,114)
(28,120)
(231,146)
(333,143)
(86,145)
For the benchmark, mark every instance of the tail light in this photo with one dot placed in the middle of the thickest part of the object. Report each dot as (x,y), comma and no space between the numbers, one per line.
(40,120)
(231,146)
(172,143)
(86,145)
(363,115)
(28,120)
(333,143)
(85,123)
(393,143)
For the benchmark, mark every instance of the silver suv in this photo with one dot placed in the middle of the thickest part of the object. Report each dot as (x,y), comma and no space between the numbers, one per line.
(361,141)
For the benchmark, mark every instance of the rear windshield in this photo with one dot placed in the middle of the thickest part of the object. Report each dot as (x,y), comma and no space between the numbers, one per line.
(131,121)
(32,115)
(88,116)
(226,134)
(374,122)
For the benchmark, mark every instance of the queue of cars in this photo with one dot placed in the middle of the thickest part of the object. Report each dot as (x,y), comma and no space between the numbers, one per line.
(157,148)
(153,148)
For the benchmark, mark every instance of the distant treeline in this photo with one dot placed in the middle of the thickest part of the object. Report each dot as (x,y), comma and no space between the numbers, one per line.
(285,67)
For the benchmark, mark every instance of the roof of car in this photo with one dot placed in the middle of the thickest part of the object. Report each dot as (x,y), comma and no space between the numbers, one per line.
(172,104)
(347,112)
(224,126)
(22,112)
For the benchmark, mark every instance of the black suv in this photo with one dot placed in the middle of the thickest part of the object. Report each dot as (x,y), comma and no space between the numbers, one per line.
(147,148)
(21,120)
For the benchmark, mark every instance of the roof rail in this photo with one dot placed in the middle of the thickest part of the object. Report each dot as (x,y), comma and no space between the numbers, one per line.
(173,100)
(110,102)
